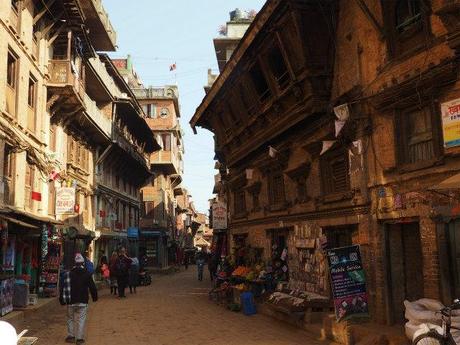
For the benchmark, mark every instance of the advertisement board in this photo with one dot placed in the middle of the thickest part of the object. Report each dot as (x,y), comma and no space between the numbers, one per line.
(65,200)
(219,215)
(451,123)
(348,282)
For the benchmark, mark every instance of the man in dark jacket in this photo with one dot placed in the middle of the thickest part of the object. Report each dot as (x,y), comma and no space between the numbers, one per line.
(74,294)
(122,266)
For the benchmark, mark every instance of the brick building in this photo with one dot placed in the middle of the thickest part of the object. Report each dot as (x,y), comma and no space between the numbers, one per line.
(328,118)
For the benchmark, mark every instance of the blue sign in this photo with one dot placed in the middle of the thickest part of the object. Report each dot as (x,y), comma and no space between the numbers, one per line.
(133,232)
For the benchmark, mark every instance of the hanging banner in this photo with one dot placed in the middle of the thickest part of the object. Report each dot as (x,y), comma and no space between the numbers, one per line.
(219,215)
(65,200)
(342,112)
(348,282)
(451,123)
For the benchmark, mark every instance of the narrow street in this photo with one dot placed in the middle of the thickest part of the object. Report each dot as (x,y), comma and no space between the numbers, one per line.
(174,310)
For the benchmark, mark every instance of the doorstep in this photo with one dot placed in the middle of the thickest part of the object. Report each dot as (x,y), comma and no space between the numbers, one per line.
(18,314)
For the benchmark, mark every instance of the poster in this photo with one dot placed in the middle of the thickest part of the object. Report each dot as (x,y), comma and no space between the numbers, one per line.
(348,282)
(6,296)
(219,215)
(65,200)
(451,123)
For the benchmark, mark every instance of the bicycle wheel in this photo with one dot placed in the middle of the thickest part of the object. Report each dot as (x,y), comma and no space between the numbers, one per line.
(430,338)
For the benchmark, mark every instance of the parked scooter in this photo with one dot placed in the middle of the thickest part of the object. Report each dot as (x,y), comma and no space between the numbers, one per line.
(145,278)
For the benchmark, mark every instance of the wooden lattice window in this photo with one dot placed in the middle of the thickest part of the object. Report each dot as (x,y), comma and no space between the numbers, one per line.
(335,172)
(276,188)
(240,202)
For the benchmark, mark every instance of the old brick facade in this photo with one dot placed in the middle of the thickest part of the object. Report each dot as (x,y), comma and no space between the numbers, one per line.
(390,64)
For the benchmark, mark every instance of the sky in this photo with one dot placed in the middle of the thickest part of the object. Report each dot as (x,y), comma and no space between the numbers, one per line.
(159,33)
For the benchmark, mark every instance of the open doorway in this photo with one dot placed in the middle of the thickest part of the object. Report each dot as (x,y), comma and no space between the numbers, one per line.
(404,267)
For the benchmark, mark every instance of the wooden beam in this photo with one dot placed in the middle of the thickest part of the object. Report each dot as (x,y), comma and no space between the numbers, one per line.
(46,9)
(362,5)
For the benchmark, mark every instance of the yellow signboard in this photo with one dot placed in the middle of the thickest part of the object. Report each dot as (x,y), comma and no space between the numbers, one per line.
(451,123)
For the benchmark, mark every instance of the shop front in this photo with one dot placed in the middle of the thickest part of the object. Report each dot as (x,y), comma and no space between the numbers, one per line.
(30,255)
(153,247)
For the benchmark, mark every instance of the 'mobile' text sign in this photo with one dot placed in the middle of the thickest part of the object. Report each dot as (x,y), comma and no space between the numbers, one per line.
(348,282)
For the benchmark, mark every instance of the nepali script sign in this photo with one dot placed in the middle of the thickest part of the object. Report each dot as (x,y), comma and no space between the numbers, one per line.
(348,282)
(219,215)
(451,123)
(65,200)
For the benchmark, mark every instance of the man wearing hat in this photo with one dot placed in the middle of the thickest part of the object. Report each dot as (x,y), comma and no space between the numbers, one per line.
(74,294)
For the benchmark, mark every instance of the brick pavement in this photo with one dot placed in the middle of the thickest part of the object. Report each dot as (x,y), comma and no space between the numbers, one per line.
(174,310)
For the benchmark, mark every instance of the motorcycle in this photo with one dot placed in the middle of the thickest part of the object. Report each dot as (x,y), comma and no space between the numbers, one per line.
(145,278)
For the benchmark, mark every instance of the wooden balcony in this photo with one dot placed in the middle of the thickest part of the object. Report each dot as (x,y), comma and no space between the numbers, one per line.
(64,79)
(166,160)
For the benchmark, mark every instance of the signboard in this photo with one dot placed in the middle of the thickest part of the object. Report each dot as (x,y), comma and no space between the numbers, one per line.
(65,200)
(348,282)
(133,232)
(451,123)
(219,215)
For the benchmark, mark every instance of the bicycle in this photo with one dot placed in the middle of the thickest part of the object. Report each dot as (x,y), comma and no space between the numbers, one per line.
(433,337)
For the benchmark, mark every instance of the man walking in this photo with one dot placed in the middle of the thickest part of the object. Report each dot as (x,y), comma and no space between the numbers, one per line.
(74,293)
(122,266)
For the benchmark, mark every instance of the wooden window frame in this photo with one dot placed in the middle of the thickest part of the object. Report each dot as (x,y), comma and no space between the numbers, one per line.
(12,70)
(401,141)
(283,80)
(328,187)
(411,40)
(263,95)
(239,202)
(272,193)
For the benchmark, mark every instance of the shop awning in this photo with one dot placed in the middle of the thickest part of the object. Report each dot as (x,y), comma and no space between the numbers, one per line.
(20,223)
(452,182)
(113,234)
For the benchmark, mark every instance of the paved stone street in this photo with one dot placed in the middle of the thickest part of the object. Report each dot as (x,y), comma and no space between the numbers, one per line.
(174,310)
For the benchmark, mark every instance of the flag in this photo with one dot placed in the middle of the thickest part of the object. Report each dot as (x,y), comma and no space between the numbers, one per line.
(327,145)
(272,152)
(172,67)
(36,196)
(338,127)
(249,173)
(342,112)
(54,175)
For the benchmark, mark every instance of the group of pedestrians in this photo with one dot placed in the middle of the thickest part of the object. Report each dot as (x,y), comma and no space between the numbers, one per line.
(78,283)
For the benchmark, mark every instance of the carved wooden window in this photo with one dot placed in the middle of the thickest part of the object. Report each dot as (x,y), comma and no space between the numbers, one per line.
(276,188)
(407,24)
(240,202)
(278,67)
(418,138)
(335,172)
(260,83)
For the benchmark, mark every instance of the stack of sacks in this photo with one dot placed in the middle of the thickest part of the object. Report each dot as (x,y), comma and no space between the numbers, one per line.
(424,315)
